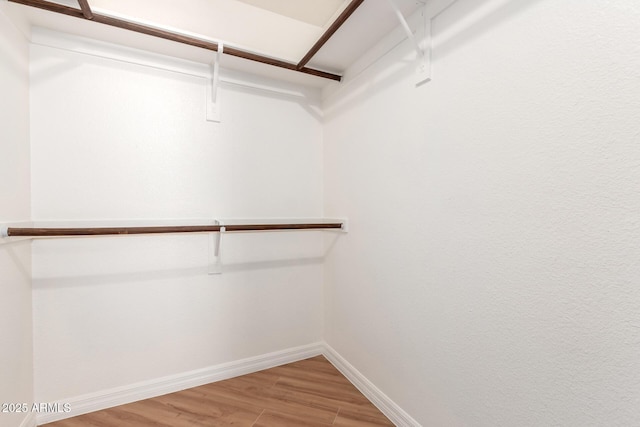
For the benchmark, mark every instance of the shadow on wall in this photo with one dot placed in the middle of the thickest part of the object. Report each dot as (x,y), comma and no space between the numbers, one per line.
(173,273)
(69,60)
(465,20)
(42,72)
(10,249)
(452,27)
(303,99)
(152,275)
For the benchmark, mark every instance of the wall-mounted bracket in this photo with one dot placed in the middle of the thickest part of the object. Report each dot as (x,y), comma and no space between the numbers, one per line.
(345,224)
(421,41)
(213,95)
(215,250)
(4,232)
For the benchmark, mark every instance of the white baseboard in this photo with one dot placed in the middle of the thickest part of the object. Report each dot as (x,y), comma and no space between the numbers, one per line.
(29,420)
(170,384)
(144,390)
(387,406)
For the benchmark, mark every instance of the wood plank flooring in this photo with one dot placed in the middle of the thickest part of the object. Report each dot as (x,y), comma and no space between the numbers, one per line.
(310,392)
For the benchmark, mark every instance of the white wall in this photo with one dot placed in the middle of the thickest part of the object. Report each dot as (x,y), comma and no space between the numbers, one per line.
(16,350)
(490,275)
(118,141)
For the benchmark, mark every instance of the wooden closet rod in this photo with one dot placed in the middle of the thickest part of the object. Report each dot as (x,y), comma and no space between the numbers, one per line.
(106,231)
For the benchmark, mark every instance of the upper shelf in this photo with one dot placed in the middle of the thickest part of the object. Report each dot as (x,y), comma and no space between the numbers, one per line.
(329,50)
(84,11)
(106,231)
(219,227)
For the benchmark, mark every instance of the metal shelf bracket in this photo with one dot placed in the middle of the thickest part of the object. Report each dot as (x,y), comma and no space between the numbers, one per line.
(421,41)
(213,95)
(215,250)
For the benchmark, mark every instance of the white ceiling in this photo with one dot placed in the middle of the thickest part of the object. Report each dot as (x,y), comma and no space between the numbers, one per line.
(371,22)
(282,29)
(314,12)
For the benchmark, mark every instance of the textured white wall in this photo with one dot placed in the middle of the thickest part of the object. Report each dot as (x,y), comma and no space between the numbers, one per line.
(116,141)
(490,275)
(16,350)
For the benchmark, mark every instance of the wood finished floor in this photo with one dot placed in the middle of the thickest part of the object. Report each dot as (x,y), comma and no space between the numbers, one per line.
(310,393)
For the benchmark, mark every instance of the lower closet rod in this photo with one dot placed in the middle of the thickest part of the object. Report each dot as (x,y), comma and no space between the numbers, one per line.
(105,231)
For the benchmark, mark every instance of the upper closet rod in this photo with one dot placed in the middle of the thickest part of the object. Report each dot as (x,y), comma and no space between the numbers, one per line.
(106,231)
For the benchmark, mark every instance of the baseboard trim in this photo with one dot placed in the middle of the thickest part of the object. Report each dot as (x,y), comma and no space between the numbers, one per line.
(387,406)
(170,384)
(29,420)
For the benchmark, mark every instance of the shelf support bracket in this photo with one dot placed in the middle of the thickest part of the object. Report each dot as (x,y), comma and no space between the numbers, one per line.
(4,232)
(421,42)
(213,96)
(215,250)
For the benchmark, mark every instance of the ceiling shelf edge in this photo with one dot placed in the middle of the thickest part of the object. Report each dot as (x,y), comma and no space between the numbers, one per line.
(172,36)
(330,32)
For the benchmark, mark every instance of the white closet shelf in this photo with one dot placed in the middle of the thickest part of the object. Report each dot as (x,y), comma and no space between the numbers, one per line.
(33,232)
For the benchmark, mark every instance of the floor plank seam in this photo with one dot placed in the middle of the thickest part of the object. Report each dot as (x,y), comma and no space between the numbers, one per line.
(336,417)
(254,423)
